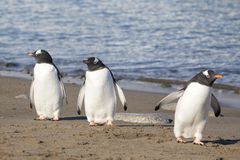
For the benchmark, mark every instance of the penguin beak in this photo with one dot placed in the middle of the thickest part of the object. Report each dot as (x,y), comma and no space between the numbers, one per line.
(86,61)
(31,54)
(218,76)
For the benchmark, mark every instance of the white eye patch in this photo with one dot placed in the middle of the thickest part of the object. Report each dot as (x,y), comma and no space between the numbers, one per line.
(206,73)
(95,61)
(38,51)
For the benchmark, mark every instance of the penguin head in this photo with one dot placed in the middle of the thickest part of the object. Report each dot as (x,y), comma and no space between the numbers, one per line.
(41,56)
(206,77)
(94,63)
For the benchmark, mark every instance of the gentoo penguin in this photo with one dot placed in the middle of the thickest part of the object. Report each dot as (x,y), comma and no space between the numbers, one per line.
(47,90)
(193,106)
(98,93)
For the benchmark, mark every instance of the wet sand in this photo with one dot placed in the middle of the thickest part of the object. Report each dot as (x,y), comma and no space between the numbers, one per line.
(71,138)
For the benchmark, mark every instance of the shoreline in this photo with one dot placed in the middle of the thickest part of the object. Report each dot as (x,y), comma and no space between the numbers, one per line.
(152,96)
(229,95)
(165,83)
(71,138)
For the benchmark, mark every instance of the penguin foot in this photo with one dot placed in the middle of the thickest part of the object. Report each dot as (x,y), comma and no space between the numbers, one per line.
(198,142)
(180,140)
(55,119)
(40,118)
(92,123)
(109,123)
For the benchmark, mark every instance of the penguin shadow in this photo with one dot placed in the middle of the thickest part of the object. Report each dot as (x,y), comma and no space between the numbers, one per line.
(73,118)
(143,125)
(221,141)
(134,125)
(131,124)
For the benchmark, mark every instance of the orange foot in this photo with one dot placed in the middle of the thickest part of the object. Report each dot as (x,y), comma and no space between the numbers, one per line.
(40,118)
(92,123)
(198,142)
(109,123)
(55,119)
(180,140)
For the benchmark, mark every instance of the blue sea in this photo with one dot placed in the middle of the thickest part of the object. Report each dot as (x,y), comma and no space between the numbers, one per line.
(159,39)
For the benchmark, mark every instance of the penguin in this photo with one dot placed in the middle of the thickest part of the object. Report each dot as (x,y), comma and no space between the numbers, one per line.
(98,93)
(193,106)
(47,90)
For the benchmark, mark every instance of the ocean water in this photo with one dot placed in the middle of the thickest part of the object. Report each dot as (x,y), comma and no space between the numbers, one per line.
(167,39)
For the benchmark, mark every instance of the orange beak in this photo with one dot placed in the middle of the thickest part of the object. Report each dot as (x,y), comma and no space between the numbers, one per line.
(218,76)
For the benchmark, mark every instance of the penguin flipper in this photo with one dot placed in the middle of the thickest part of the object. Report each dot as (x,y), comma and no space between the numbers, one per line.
(63,91)
(80,99)
(31,95)
(121,96)
(169,98)
(215,106)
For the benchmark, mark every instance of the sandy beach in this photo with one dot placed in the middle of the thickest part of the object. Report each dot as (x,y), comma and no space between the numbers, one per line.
(72,138)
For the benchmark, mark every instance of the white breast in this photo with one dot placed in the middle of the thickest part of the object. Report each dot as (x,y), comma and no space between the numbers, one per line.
(196,93)
(98,78)
(44,72)
(195,98)
(47,95)
(100,97)
(192,110)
